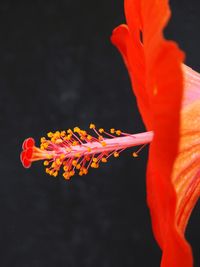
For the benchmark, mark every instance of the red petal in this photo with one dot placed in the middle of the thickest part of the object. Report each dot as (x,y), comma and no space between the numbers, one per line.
(156,75)
(132,52)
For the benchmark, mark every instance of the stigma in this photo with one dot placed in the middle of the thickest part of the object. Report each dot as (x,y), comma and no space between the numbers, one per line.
(76,150)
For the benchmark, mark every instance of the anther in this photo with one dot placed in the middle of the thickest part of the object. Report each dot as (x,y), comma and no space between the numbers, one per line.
(77,129)
(101,130)
(69,131)
(118,132)
(74,163)
(72,173)
(135,155)
(58,161)
(78,166)
(42,139)
(50,134)
(92,126)
(116,154)
(89,137)
(103,143)
(104,160)
(55,173)
(46,163)
(100,138)
(95,160)
(63,133)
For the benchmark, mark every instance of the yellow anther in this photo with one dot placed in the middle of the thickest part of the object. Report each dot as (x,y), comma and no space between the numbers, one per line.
(104,160)
(78,166)
(53,139)
(71,173)
(75,143)
(53,165)
(77,129)
(58,161)
(84,133)
(51,172)
(62,156)
(112,130)
(84,170)
(55,173)
(49,156)
(89,137)
(41,147)
(47,170)
(63,133)
(66,168)
(50,134)
(89,149)
(116,154)
(57,134)
(69,131)
(118,132)
(101,130)
(93,165)
(74,163)
(46,163)
(92,126)
(77,155)
(45,145)
(80,173)
(95,160)
(100,137)
(103,143)
(42,139)
(66,175)
(58,141)
(135,155)
(68,137)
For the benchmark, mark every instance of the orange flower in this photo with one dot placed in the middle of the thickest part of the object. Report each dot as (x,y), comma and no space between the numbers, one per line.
(168,97)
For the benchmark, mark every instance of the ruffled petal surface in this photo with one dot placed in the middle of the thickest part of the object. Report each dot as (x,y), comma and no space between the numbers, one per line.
(186,172)
(167,94)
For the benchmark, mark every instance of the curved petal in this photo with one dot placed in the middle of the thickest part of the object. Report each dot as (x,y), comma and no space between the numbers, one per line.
(132,52)
(155,68)
(186,172)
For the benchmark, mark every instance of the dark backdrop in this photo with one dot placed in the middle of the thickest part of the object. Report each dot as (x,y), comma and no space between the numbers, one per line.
(58,69)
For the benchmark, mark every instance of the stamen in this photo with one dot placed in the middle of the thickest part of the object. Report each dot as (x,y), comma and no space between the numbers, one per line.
(135,154)
(76,150)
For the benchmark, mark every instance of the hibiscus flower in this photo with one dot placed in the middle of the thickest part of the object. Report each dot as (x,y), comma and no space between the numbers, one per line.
(168,97)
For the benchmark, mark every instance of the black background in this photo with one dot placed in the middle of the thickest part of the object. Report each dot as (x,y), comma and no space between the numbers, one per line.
(58,69)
